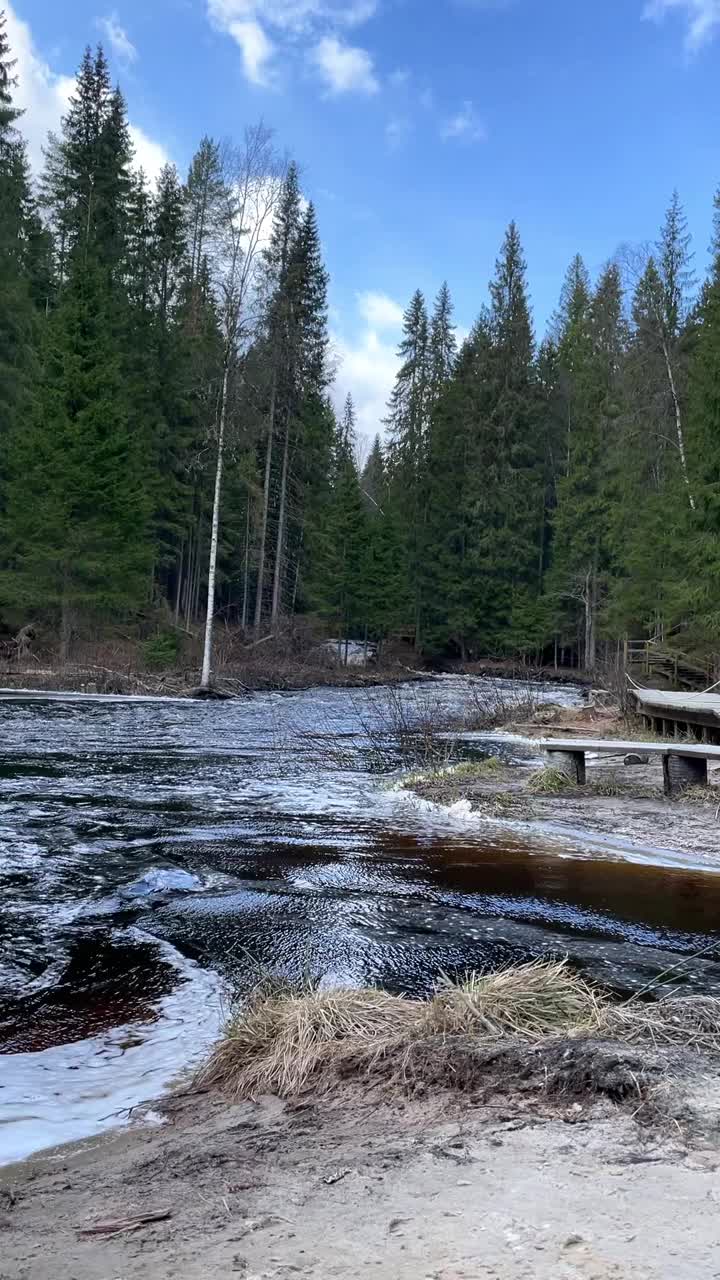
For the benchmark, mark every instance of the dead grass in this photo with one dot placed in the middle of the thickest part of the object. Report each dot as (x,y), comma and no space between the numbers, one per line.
(549,781)
(464,771)
(526,1000)
(535,1013)
(276,1043)
(701,795)
(691,1022)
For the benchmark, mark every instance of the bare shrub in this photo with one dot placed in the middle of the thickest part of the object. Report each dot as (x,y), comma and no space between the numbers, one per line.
(491,704)
(408,725)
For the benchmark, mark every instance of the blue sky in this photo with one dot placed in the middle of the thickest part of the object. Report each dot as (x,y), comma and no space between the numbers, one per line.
(422,127)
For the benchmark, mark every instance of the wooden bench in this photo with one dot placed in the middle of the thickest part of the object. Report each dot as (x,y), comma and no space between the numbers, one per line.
(684,765)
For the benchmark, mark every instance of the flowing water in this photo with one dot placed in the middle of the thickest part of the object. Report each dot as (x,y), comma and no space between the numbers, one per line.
(155,855)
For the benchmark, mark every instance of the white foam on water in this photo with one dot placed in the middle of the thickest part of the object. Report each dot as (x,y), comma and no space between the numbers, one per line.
(79,1090)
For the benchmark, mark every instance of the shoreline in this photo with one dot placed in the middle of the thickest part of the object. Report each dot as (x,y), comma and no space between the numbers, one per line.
(281,676)
(503,1180)
(631,819)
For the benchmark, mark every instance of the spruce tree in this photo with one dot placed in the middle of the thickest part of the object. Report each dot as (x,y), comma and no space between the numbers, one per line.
(18,235)
(592,344)
(76,494)
(407,424)
(340,594)
(508,483)
(76,517)
(374,478)
(280,388)
(454,614)
(443,346)
(704,437)
(303,378)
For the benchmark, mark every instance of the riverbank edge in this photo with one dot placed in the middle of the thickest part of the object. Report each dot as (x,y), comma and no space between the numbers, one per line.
(297,679)
(283,676)
(619,816)
(325,1184)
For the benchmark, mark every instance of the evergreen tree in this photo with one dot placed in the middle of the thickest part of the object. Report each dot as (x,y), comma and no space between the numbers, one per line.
(453,616)
(281,391)
(704,436)
(443,346)
(340,588)
(591,347)
(76,506)
(304,380)
(407,424)
(374,478)
(18,237)
(508,481)
(76,494)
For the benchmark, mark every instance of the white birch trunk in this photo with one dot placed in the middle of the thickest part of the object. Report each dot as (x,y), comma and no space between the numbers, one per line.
(212,563)
(246,568)
(678,426)
(264,525)
(277,578)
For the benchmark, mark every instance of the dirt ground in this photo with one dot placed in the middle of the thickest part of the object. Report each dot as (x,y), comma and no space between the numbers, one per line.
(438,1188)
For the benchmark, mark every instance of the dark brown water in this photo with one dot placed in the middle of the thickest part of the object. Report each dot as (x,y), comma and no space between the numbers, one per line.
(151,852)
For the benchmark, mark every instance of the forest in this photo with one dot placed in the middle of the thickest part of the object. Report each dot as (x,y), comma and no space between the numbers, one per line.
(170,457)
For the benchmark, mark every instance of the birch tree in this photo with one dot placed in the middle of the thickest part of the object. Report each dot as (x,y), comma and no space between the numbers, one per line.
(246,200)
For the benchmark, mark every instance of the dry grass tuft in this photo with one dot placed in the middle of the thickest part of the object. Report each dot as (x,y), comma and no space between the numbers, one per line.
(549,781)
(276,1044)
(701,795)
(539,1018)
(690,1022)
(528,1000)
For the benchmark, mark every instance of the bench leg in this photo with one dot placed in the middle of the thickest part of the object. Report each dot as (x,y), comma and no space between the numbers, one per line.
(571,763)
(681,772)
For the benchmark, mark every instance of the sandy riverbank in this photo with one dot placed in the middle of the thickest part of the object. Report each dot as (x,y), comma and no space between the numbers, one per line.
(446,1186)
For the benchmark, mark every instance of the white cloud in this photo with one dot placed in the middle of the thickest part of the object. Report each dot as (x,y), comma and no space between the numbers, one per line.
(44,96)
(118,38)
(292,15)
(312,25)
(367,365)
(344,68)
(256,48)
(40,93)
(150,156)
(465,124)
(379,311)
(703,18)
(367,370)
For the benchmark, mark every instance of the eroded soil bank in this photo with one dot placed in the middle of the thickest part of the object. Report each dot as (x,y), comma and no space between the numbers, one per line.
(444,1186)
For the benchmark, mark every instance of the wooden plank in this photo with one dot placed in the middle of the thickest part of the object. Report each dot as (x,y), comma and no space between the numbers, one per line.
(620,747)
(686,702)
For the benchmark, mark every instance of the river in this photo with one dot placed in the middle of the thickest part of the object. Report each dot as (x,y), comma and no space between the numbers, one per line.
(157,855)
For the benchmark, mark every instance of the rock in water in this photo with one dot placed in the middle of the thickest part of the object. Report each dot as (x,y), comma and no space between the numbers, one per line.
(634,758)
(163,880)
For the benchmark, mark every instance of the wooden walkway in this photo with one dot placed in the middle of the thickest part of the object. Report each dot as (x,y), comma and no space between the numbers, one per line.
(678,715)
